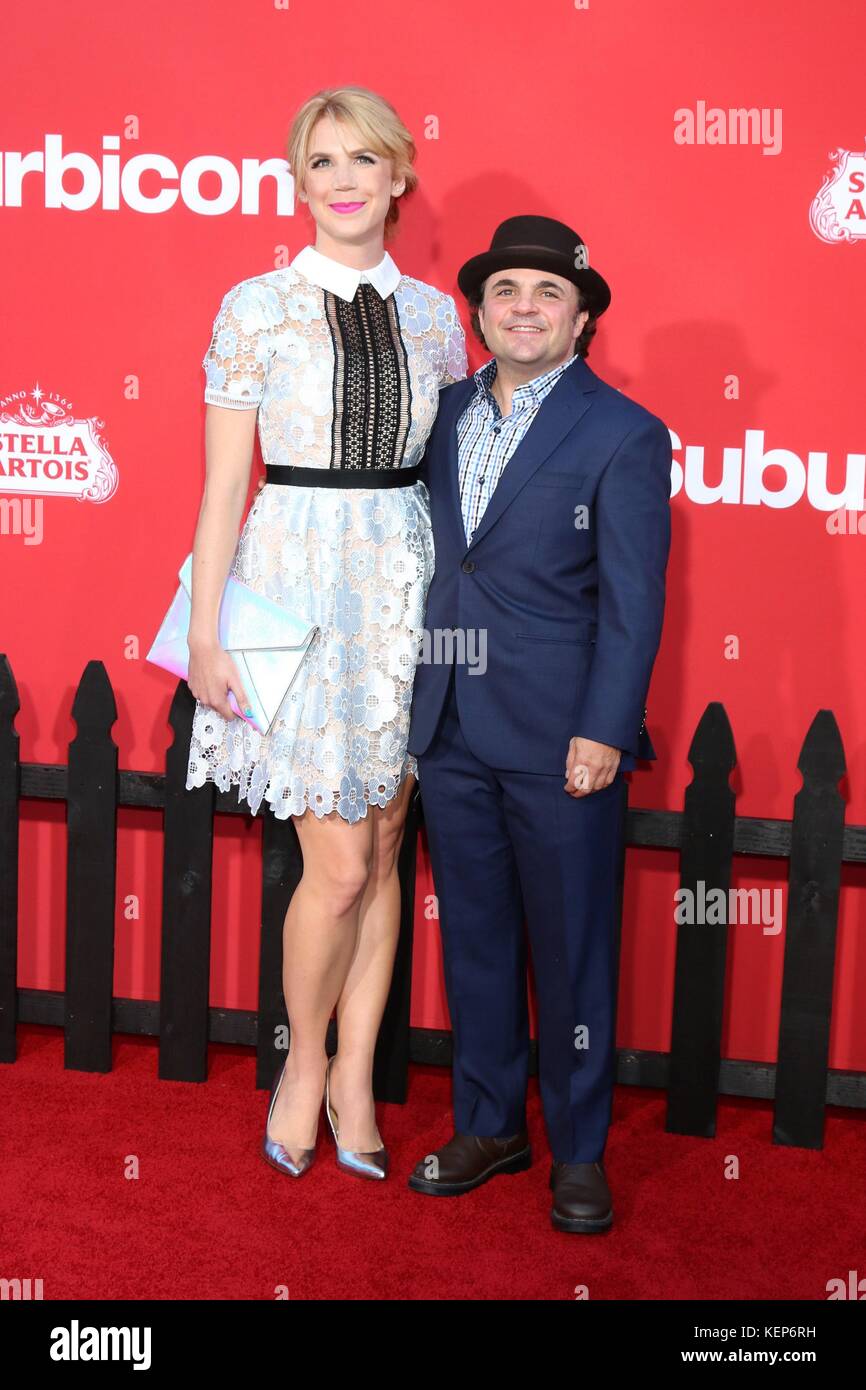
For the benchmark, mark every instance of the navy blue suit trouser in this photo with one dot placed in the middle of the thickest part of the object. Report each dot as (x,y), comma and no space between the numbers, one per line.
(504,846)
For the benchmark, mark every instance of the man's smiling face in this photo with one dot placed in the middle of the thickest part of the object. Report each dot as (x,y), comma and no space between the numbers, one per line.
(529,318)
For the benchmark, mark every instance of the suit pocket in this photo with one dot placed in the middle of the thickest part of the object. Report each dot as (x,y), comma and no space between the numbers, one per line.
(573,641)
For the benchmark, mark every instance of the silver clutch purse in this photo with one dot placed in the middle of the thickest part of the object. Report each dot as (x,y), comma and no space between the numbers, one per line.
(266,641)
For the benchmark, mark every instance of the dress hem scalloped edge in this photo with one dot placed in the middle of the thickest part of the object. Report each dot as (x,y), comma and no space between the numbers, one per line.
(360,804)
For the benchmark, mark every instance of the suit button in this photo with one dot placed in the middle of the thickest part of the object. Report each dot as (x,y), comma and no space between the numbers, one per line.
(468,566)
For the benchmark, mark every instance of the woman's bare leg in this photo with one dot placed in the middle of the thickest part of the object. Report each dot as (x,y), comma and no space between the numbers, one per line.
(319,937)
(364,994)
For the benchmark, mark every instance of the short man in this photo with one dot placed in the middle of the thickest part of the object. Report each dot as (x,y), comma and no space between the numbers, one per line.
(550,500)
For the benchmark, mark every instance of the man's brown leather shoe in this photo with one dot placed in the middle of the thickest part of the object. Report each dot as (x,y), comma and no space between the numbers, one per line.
(467,1161)
(581,1197)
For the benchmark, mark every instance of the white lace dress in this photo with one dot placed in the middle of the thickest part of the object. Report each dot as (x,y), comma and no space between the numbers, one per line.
(344,369)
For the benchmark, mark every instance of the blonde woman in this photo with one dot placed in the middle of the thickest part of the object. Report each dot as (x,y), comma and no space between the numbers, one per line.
(338,359)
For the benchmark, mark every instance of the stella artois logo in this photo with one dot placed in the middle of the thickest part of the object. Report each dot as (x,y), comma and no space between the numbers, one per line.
(838,212)
(46,449)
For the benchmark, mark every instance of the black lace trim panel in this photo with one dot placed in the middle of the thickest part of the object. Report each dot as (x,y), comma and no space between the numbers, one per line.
(372,389)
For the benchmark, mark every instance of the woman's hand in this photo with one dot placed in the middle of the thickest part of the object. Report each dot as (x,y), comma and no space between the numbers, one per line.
(212,673)
(260,484)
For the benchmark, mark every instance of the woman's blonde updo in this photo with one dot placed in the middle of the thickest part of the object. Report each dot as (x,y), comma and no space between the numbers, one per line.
(378,125)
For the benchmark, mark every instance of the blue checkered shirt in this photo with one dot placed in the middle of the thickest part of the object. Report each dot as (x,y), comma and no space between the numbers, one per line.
(487,438)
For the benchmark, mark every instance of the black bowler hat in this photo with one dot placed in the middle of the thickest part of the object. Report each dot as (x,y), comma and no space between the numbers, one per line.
(541,243)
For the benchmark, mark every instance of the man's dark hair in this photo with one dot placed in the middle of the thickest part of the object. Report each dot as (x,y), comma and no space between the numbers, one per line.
(581,346)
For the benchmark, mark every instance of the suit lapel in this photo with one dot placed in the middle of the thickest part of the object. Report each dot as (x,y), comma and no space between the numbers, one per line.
(558,413)
(456,401)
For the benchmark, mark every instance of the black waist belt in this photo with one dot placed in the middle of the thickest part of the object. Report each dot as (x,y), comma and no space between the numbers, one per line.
(341,477)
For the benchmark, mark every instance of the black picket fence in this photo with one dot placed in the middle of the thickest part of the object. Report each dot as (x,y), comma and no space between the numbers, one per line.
(707,834)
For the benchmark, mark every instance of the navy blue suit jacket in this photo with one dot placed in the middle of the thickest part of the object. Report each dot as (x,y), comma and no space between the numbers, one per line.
(565,574)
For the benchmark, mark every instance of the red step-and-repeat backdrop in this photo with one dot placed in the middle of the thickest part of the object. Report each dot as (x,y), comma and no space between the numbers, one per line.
(712,157)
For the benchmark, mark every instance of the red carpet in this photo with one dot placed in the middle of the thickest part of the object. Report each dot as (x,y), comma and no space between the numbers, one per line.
(207,1218)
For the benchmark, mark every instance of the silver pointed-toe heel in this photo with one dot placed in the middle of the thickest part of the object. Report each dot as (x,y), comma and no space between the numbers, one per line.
(362,1165)
(295,1164)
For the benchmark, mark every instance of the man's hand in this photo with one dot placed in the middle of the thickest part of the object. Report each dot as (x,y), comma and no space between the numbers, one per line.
(590,766)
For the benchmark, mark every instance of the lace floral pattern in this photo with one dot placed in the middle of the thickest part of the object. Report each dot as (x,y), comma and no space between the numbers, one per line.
(358,562)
